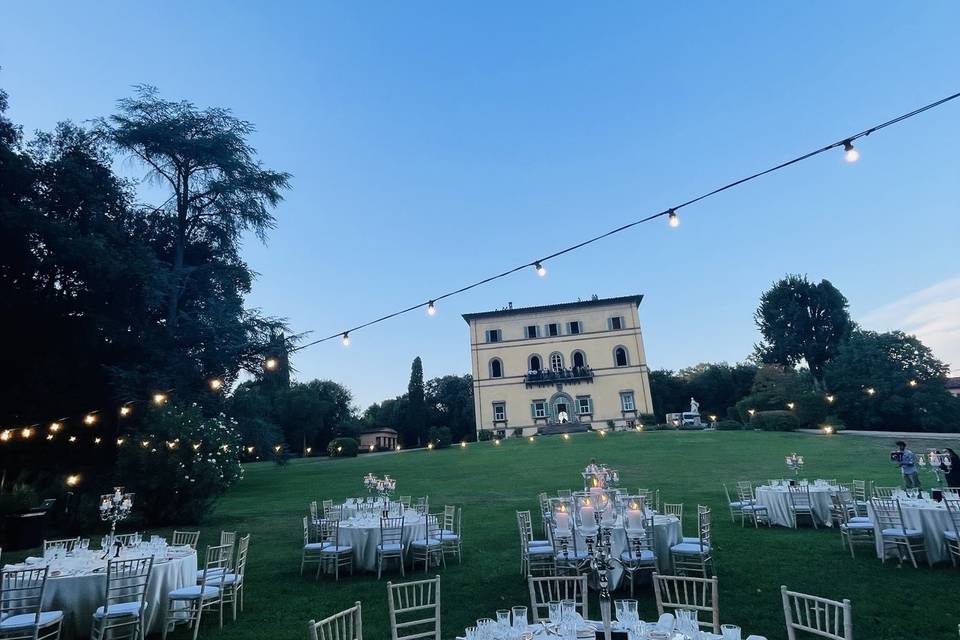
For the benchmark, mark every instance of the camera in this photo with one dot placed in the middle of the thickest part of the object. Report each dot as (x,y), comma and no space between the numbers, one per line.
(896,456)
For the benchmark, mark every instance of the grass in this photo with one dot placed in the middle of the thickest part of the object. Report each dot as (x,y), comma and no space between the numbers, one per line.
(492,482)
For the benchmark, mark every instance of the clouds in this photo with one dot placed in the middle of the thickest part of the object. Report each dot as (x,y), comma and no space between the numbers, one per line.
(932,314)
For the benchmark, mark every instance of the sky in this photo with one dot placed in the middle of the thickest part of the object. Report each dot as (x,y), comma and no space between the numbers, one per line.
(433,144)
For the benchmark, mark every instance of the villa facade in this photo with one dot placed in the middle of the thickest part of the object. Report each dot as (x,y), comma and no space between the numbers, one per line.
(559,367)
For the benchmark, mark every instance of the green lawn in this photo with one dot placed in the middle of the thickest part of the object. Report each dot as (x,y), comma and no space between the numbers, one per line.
(491,482)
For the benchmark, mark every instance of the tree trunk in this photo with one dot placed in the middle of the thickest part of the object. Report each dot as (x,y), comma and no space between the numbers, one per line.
(179,248)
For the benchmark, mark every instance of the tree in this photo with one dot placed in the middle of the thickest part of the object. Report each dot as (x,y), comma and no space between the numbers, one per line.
(891,381)
(669,393)
(449,403)
(415,427)
(217,188)
(802,322)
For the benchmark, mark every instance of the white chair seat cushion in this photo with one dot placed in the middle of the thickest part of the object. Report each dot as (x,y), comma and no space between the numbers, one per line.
(448,536)
(861,519)
(950,535)
(120,609)
(570,555)
(897,531)
(753,507)
(312,546)
(688,540)
(540,551)
(24,620)
(194,593)
(329,547)
(229,579)
(689,548)
(644,556)
(737,503)
(858,525)
(538,543)
(425,542)
(390,546)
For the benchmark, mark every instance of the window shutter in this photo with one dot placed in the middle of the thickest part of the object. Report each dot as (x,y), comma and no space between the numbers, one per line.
(533,410)
(609,324)
(590,405)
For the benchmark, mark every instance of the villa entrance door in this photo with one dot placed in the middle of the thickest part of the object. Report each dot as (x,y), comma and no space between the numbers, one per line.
(562,406)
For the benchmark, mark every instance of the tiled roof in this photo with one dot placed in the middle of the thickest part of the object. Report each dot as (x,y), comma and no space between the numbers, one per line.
(953,383)
(635,299)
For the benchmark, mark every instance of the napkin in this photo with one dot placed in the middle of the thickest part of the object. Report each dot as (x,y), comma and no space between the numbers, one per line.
(665,622)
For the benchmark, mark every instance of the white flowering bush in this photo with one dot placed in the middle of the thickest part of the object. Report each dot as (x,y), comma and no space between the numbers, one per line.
(179,463)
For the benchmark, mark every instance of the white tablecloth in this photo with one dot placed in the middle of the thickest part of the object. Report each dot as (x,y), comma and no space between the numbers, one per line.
(667,533)
(777,501)
(78,596)
(364,536)
(930,517)
(538,631)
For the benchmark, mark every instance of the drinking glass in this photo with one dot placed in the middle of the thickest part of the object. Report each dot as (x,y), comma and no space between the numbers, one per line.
(730,632)
(485,629)
(519,618)
(503,618)
(618,611)
(554,612)
(470,633)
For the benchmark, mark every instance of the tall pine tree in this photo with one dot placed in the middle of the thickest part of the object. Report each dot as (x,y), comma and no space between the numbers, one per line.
(415,427)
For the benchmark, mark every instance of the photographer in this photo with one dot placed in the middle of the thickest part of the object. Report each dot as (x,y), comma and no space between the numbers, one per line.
(908,465)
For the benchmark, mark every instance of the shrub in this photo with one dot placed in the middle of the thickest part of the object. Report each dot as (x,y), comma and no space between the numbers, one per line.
(647,418)
(774,421)
(518,432)
(810,410)
(728,425)
(485,435)
(187,463)
(441,437)
(20,499)
(343,448)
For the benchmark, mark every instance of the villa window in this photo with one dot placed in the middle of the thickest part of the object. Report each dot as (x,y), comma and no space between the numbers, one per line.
(494,335)
(620,357)
(499,411)
(496,368)
(539,409)
(626,401)
(578,359)
(553,329)
(535,363)
(584,405)
(574,328)
(556,362)
(615,323)
(531,331)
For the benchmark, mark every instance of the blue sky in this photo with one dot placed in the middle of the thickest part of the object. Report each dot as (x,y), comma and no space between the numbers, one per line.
(433,144)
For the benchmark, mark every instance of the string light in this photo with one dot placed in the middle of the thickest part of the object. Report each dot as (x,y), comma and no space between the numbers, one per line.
(277,448)
(196,446)
(97,440)
(26,432)
(6,435)
(791,405)
(671,213)
(431,309)
(849,153)
(270,364)
(346,338)
(913,383)
(171,445)
(159,398)
(673,219)
(49,436)
(55,426)
(72,439)
(831,398)
(89,419)
(870,391)
(309,450)
(250,449)
(216,384)
(125,410)
(120,441)
(145,444)
(73,480)
(751,411)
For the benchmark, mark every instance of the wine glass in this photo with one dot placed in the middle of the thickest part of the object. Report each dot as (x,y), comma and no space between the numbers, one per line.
(503,619)
(519,618)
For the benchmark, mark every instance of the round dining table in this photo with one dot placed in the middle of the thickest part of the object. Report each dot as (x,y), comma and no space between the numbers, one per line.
(666,533)
(927,515)
(77,585)
(363,534)
(776,498)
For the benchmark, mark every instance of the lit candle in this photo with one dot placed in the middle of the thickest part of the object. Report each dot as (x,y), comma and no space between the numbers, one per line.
(563,520)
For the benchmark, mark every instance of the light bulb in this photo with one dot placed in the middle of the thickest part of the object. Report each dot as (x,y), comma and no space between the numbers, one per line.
(89,419)
(849,153)
(215,384)
(271,363)
(125,410)
(431,309)
(346,339)
(159,398)
(541,270)
(673,219)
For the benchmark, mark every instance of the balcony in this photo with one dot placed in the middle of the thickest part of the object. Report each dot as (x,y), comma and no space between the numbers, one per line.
(548,377)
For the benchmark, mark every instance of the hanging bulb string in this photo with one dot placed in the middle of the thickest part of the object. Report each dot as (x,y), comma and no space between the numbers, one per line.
(844,142)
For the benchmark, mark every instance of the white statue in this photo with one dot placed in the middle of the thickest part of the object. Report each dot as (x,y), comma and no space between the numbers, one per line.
(562,417)
(694,406)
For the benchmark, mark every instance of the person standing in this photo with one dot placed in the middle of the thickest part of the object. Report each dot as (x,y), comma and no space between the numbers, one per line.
(908,466)
(952,472)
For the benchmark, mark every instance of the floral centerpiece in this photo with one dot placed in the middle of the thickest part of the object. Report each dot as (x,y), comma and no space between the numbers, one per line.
(795,463)
(384,486)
